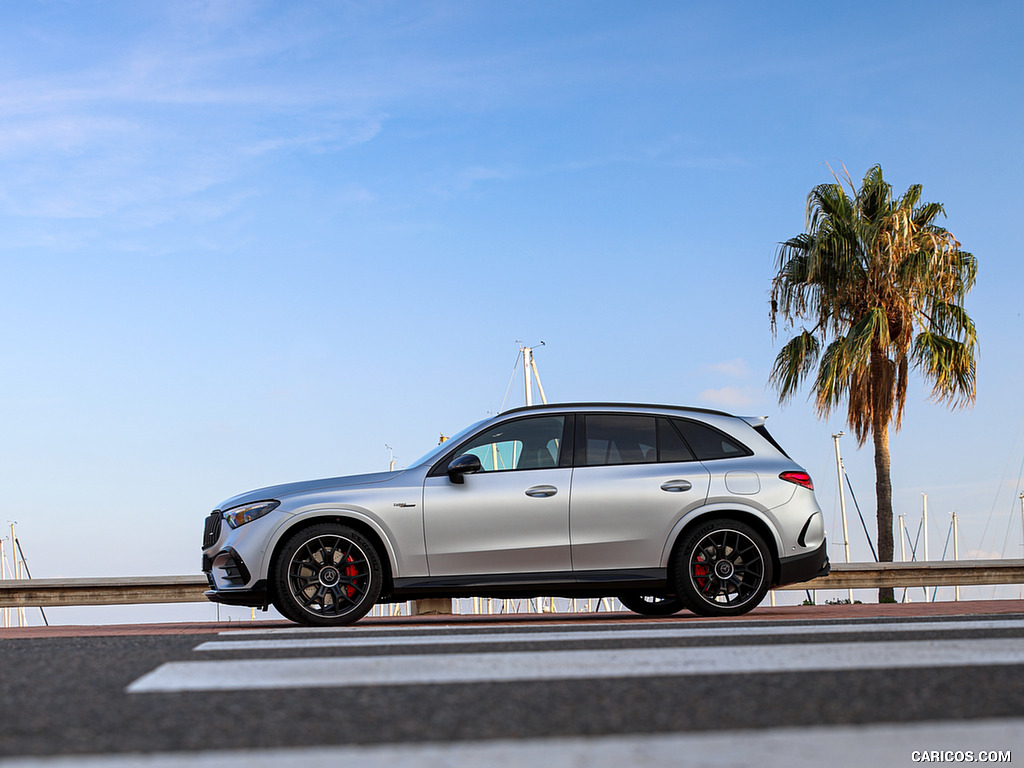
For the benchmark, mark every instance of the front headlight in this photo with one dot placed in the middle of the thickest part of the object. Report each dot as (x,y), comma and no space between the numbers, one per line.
(246,513)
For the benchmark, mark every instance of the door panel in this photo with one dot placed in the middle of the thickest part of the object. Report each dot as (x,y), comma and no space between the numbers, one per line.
(621,515)
(498,522)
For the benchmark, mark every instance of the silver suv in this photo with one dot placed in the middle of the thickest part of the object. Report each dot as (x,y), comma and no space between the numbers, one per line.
(664,507)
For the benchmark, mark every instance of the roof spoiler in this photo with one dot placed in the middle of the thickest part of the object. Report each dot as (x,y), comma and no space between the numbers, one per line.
(755,421)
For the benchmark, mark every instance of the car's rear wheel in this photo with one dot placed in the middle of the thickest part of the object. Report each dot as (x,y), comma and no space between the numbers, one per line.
(652,605)
(327,575)
(723,568)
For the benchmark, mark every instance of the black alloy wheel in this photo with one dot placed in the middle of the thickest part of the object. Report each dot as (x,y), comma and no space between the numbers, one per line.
(724,568)
(652,605)
(327,575)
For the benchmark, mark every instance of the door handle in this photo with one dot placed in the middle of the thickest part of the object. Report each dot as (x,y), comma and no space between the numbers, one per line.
(541,491)
(675,486)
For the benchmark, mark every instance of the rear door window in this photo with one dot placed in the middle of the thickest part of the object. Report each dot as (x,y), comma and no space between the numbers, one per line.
(621,438)
(670,445)
(613,438)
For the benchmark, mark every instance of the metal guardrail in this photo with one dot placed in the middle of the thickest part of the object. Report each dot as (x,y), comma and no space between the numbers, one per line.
(931,573)
(127,590)
(136,590)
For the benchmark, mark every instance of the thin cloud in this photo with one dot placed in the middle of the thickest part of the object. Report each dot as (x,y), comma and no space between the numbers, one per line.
(736,368)
(468,178)
(360,132)
(729,397)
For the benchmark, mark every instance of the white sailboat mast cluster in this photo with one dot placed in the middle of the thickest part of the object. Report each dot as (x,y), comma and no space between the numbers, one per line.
(531,374)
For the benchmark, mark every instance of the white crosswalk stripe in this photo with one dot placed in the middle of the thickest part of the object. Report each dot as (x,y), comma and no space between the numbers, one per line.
(475,667)
(809,747)
(422,669)
(275,642)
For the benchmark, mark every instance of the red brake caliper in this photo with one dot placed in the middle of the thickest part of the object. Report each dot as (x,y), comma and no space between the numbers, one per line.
(699,569)
(351,571)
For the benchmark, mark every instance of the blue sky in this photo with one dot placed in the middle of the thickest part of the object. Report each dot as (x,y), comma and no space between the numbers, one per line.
(244,243)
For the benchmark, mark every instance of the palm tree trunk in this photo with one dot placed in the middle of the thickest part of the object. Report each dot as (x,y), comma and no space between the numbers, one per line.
(883,499)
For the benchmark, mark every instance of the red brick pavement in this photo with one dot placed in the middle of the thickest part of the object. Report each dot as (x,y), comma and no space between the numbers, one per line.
(792,612)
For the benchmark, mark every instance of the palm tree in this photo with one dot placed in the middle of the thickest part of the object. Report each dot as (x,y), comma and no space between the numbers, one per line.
(882,287)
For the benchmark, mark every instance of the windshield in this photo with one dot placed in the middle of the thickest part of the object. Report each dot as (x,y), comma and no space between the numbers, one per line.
(437,450)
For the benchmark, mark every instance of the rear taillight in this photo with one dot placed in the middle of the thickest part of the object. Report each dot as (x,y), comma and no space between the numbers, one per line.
(800,478)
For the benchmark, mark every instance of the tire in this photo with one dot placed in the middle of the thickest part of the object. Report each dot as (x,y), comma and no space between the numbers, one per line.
(723,568)
(327,575)
(652,605)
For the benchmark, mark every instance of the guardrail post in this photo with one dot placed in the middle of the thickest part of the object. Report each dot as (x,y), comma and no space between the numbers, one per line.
(431,607)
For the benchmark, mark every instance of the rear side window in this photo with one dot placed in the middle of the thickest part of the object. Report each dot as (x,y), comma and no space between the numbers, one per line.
(620,439)
(670,445)
(617,438)
(708,443)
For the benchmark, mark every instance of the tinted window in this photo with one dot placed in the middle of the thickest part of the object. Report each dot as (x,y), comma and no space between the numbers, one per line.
(708,443)
(533,443)
(670,445)
(762,430)
(620,439)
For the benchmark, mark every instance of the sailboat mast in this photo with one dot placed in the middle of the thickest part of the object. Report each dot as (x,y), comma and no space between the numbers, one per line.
(527,370)
(842,503)
(530,374)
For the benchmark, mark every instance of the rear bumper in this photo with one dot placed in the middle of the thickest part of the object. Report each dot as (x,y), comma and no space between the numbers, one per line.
(805,567)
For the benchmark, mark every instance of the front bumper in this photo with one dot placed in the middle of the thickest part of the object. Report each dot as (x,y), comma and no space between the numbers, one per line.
(226,569)
(227,575)
(233,560)
(256,597)
(805,567)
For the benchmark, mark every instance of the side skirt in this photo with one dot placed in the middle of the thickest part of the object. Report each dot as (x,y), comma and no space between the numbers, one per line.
(514,585)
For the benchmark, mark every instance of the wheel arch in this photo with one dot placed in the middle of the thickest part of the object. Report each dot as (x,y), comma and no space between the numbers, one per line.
(750,517)
(341,517)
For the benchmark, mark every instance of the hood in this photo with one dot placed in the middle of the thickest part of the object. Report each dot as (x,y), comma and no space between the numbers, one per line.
(291,489)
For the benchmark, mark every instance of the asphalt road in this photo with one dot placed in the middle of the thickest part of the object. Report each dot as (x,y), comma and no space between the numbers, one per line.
(581,692)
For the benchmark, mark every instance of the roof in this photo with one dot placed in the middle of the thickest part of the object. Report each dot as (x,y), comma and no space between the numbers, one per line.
(684,408)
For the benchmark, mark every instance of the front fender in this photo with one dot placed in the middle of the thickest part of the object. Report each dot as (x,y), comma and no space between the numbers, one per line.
(398,553)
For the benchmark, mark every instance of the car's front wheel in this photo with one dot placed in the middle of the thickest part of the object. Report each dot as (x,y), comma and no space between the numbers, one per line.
(327,575)
(652,605)
(723,568)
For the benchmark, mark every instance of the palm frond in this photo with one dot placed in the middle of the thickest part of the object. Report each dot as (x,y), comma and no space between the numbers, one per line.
(793,362)
(949,319)
(834,375)
(950,365)
(870,331)
(926,213)
(967,269)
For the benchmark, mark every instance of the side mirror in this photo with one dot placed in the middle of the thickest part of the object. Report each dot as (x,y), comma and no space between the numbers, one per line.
(466,464)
